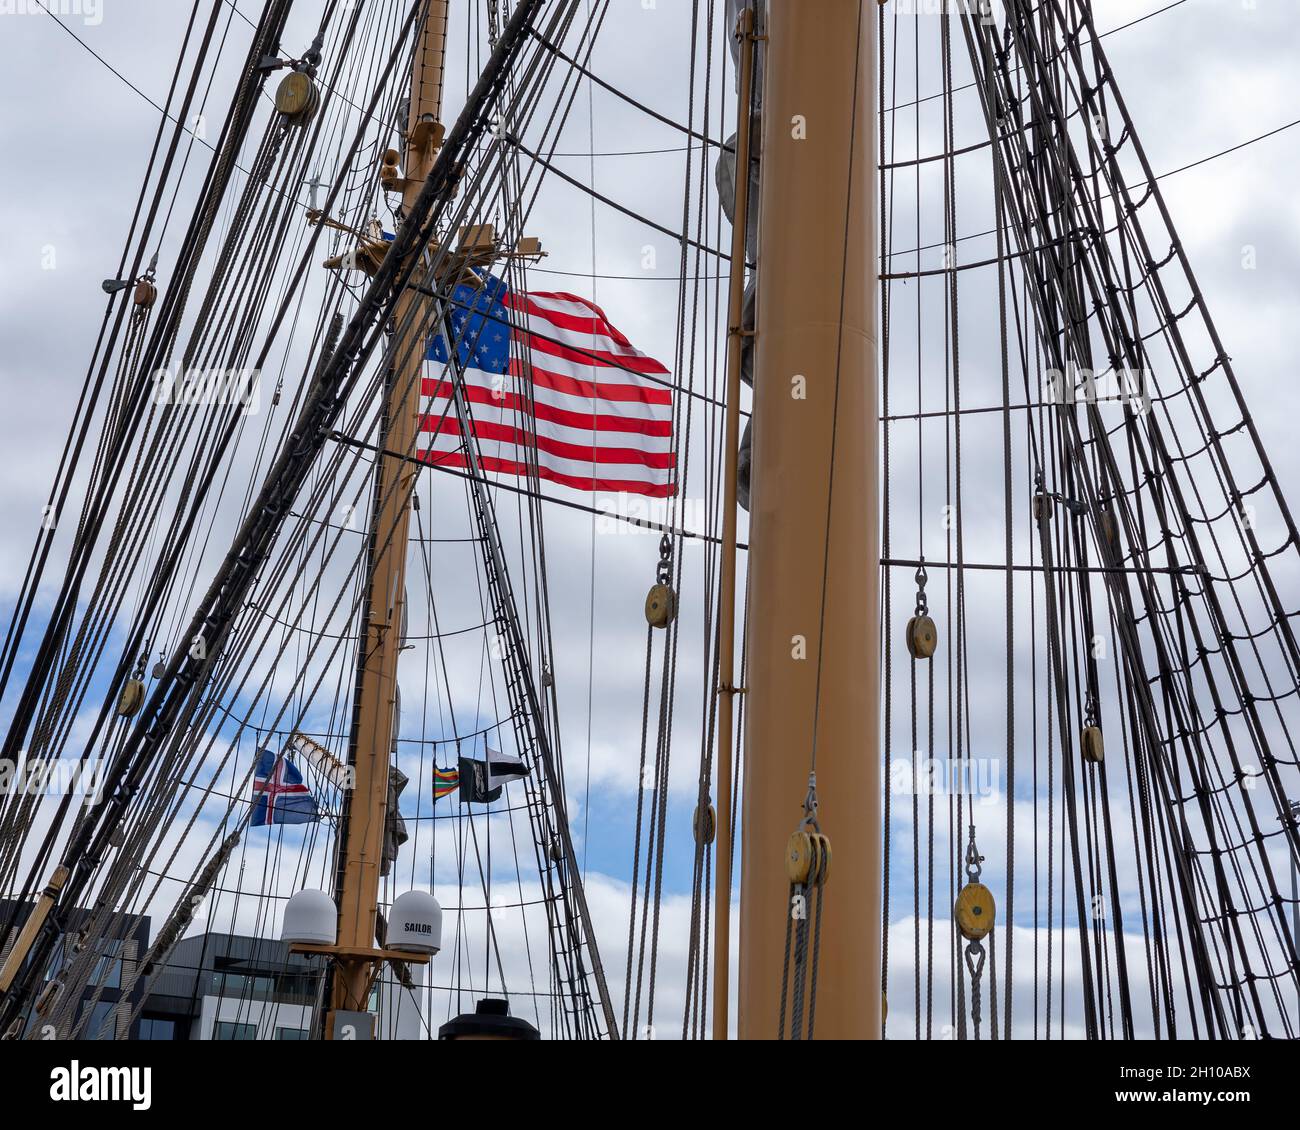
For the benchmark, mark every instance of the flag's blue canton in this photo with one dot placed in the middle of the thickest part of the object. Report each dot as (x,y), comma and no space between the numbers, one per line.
(482,342)
(281,796)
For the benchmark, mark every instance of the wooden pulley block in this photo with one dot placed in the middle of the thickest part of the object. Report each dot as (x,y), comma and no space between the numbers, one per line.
(660,606)
(1090,741)
(799,858)
(922,637)
(974,911)
(297,96)
(1042,511)
(815,868)
(130,699)
(557,850)
(1109,528)
(48,996)
(706,829)
(822,846)
(146,294)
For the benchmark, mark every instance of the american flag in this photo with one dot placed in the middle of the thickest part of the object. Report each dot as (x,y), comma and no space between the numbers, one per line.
(548,370)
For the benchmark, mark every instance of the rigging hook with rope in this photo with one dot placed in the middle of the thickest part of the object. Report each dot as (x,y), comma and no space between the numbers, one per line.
(131,697)
(661,601)
(807,866)
(1090,739)
(975,913)
(922,635)
(297,98)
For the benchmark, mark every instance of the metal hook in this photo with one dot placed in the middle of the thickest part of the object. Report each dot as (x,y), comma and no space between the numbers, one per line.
(973,859)
(810,804)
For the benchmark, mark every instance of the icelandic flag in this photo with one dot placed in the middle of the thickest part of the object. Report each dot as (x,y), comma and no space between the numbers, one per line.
(280,796)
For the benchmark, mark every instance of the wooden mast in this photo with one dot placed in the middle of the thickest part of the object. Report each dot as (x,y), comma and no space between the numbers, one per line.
(358,894)
(814,671)
(727,689)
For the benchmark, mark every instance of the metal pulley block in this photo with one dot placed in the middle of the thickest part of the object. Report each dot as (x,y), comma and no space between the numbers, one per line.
(706,829)
(660,606)
(297,97)
(922,637)
(1090,741)
(974,911)
(130,699)
(557,850)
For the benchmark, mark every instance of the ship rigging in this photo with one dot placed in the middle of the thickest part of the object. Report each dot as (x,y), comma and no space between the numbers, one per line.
(940,658)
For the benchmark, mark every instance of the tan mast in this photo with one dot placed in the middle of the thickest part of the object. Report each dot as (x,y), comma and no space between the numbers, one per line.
(358,896)
(727,689)
(816,316)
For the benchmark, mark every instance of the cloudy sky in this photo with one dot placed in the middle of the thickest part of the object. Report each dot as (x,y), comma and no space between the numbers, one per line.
(1203,77)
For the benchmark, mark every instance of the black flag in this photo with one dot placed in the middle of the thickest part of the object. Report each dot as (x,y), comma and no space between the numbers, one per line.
(475,784)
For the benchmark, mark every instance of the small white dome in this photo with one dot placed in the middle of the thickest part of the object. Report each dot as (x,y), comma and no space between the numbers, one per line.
(311,917)
(415,923)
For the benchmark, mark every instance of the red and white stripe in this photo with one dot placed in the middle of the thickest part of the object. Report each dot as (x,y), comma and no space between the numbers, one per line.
(585,402)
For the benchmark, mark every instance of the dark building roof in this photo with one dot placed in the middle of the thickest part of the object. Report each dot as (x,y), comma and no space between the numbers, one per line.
(13,913)
(232,965)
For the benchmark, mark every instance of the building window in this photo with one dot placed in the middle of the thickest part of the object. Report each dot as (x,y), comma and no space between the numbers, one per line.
(56,959)
(226,1030)
(108,969)
(99,1026)
(291,1033)
(242,986)
(151,1029)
